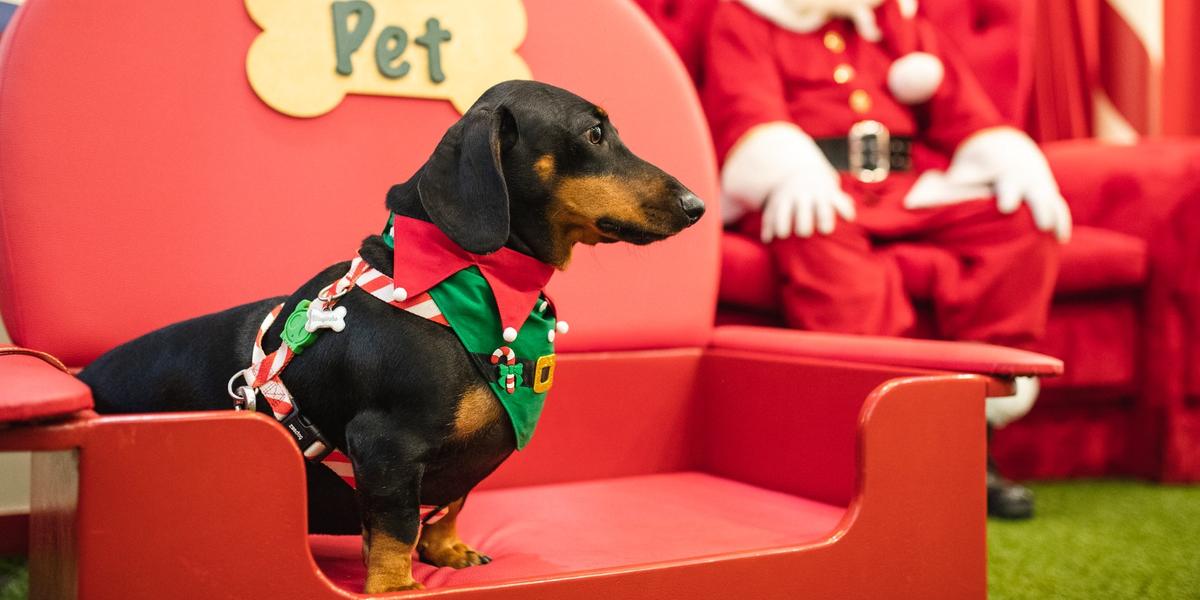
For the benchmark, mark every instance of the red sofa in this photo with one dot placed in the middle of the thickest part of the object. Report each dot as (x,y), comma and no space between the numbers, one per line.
(1126,314)
(675,459)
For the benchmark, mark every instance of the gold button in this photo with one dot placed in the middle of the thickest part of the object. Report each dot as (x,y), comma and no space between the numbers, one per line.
(860,101)
(843,73)
(834,42)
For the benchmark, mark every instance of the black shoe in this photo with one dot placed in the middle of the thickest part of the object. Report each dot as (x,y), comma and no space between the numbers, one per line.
(1005,499)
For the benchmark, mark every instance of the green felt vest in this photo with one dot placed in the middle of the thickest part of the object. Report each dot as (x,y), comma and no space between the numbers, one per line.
(466,302)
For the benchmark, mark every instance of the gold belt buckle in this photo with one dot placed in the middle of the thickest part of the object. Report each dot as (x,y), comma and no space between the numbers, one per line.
(870,151)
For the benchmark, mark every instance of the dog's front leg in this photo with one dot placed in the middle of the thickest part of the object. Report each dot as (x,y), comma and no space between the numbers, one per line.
(388,469)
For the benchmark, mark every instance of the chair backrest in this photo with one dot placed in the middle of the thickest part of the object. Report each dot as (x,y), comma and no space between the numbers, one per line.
(995,35)
(143,181)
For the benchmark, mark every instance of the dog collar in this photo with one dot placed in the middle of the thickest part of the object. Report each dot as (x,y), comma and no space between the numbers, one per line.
(425,257)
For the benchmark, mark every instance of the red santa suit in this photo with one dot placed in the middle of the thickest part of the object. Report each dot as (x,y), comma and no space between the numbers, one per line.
(783,76)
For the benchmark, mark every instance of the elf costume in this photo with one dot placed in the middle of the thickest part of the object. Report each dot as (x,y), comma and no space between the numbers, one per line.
(841,124)
(494,303)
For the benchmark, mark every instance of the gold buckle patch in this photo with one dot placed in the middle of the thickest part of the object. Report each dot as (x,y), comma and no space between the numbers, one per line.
(543,374)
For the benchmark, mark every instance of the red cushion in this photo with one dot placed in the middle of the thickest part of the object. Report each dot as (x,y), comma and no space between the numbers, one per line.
(138,187)
(32,388)
(552,529)
(1101,260)
(1096,260)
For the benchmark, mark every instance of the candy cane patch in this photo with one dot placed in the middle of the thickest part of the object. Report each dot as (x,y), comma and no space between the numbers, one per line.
(311,53)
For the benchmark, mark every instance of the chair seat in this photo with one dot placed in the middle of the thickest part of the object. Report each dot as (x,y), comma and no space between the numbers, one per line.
(561,528)
(1096,260)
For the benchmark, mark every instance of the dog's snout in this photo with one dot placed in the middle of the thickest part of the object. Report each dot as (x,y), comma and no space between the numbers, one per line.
(692,206)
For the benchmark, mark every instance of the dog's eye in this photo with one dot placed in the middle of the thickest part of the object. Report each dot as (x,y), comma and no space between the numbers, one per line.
(595,135)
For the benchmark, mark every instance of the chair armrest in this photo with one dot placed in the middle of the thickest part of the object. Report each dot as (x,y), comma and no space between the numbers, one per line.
(1131,189)
(832,431)
(197,498)
(32,387)
(961,357)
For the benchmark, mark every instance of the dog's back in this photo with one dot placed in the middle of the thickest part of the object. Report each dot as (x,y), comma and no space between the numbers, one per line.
(179,367)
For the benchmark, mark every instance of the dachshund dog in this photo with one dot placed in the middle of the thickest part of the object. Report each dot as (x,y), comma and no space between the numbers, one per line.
(531,168)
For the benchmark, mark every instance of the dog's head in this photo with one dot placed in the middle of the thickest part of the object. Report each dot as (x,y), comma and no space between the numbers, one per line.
(539,169)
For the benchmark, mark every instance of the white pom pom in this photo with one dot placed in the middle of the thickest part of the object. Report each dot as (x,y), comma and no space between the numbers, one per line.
(399,294)
(510,334)
(562,327)
(550,336)
(915,77)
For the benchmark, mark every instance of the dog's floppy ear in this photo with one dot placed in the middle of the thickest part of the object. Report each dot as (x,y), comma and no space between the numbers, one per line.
(462,186)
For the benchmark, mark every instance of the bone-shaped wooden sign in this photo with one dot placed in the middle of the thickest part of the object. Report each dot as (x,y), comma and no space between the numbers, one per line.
(311,53)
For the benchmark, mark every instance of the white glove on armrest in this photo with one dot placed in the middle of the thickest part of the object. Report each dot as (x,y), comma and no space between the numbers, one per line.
(779,168)
(1015,167)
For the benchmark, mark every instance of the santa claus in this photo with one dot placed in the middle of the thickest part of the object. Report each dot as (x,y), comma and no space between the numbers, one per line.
(843,125)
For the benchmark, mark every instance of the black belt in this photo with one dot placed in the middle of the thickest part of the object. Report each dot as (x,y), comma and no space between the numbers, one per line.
(837,150)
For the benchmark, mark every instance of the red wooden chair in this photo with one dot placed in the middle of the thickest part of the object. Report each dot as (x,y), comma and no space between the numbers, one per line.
(138,175)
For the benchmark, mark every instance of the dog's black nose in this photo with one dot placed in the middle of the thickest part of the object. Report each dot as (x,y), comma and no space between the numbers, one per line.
(692,206)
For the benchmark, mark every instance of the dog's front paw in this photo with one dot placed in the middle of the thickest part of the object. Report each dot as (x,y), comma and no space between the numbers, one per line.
(452,554)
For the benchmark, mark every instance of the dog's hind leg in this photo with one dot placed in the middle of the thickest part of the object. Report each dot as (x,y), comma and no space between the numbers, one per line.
(440,545)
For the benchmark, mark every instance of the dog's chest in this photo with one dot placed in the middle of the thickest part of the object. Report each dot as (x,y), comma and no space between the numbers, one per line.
(480,442)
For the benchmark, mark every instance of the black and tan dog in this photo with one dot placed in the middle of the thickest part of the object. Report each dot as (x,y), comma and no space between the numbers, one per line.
(530,167)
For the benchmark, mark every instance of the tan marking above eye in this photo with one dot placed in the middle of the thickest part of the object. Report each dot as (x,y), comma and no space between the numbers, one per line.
(544,167)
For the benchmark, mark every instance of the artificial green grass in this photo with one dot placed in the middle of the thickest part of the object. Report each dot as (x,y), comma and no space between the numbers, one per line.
(1100,540)
(1093,540)
(14,579)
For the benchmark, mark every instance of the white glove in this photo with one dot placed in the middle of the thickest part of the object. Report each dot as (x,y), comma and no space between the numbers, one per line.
(779,168)
(1012,164)
(803,201)
(1002,410)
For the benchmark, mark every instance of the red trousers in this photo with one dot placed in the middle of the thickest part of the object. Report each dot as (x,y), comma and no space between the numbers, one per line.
(994,286)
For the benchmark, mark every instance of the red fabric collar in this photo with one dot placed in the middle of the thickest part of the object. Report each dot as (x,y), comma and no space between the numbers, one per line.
(424,257)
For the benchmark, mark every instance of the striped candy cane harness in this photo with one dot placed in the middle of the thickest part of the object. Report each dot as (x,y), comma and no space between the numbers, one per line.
(262,376)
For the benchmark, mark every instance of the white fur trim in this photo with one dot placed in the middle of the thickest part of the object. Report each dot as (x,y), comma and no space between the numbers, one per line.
(761,160)
(807,16)
(908,8)
(1002,410)
(915,77)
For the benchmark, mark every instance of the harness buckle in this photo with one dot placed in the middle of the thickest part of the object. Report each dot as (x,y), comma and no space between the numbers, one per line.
(312,444)
(245,398)
(870,157)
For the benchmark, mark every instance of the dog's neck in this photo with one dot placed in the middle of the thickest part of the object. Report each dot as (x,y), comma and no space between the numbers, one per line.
(405,200)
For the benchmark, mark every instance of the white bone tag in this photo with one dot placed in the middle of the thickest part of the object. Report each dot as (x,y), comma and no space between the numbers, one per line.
(325,319)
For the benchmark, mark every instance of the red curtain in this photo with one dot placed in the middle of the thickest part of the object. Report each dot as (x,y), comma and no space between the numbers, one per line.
(1063,70)
(1181,67)
(1083,45)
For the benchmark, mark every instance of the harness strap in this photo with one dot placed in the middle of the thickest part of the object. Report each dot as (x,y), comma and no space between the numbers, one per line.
(263,374)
